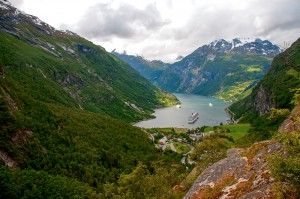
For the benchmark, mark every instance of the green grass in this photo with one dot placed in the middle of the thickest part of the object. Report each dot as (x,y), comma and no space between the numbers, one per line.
(209,128)
(237,130)
(254,69)
(235,92)
(181,148)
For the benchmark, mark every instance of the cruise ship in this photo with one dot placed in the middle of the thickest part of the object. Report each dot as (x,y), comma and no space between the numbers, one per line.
(193,118)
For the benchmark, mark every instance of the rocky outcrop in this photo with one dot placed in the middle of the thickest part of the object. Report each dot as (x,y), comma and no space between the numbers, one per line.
(84,48)
(292,123)
(263,103)
(20,136)
(12,104)
(243,174)
(8,161)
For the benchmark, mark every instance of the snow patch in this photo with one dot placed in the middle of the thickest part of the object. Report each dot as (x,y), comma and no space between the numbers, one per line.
(68,32)
(243,41)
(5,2)
(37,21)
(4,7)
(232,44)
(215,42)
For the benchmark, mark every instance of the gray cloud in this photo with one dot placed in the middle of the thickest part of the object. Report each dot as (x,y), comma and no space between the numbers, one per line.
(275,20)
(17,3)
(146,32)
(126,21)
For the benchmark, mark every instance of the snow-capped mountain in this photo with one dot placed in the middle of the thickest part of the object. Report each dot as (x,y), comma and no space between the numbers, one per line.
(213,68)
(15,16)
(238,45)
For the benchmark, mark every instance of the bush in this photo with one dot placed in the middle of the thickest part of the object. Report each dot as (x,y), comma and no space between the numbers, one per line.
(286,168)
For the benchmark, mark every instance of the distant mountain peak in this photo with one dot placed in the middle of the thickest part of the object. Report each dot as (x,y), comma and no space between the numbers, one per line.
(179,57)
(220,68)
(16,16)
(240,45)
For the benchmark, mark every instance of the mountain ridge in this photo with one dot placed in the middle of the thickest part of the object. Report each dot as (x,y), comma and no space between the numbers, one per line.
(82,69)
(149,69)
(223,69)
(211,67)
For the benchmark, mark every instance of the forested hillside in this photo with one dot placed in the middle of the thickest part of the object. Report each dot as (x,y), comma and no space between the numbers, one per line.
(65,108)
(63,68)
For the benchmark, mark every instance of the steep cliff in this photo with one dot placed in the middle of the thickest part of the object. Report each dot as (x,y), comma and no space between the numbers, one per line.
(277,89)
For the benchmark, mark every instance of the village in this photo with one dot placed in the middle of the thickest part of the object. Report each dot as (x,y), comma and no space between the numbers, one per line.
(178,140)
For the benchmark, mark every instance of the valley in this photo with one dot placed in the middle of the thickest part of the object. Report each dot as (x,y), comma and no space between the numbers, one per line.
(224,69)
(77,121)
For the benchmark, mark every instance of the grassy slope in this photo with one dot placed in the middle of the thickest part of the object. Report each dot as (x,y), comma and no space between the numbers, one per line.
(236,131)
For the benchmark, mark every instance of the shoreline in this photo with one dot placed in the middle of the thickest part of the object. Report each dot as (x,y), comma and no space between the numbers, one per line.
(231,114)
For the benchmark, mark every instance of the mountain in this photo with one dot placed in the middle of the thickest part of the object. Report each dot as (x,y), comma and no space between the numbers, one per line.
(65,108)
(278,89)
(62,67)
(225,69)
(149,69)
(263,169)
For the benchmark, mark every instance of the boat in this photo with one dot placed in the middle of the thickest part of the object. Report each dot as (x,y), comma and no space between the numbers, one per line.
(193,118)
(210,104)
(178,106)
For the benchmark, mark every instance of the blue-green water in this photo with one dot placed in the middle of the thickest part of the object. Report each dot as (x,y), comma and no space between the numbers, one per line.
(178,117)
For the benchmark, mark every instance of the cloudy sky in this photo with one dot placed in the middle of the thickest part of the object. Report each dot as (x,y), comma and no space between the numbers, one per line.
(166,29)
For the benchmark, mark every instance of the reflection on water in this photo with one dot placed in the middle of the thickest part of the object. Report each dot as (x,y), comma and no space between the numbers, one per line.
(211,112)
